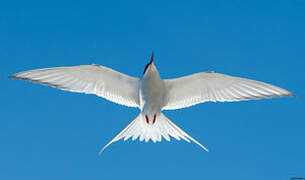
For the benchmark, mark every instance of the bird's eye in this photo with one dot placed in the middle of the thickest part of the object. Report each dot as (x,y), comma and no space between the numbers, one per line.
(146,68)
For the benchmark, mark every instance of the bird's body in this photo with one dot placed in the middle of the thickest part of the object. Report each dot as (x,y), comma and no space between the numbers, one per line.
(151,94)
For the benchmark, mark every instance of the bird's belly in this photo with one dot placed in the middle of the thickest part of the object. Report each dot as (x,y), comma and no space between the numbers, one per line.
(152,96)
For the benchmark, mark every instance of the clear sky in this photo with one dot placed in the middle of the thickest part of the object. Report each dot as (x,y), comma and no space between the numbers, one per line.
(50,134)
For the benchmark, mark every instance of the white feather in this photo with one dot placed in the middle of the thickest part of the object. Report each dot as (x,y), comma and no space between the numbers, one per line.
(163,127)
(152,94)
(208,86)
(89,79)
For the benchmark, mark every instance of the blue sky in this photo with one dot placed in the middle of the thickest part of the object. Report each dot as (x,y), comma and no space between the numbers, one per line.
(46,133)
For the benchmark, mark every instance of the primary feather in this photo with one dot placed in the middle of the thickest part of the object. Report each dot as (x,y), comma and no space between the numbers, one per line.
(90,79)
(209,86)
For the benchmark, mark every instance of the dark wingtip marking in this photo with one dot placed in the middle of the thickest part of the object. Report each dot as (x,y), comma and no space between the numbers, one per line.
(12,76)
(38,82)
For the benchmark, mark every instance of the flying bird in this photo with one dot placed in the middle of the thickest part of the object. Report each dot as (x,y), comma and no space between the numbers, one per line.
(151,94)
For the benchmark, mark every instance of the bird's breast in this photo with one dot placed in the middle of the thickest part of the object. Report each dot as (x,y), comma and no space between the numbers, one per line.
(152,92)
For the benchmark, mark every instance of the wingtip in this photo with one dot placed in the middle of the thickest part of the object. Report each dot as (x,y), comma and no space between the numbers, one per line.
(12,76)
(292,95)
(15,76)
(289,94)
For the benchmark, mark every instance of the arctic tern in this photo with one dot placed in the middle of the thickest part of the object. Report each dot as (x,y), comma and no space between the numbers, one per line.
(151,94)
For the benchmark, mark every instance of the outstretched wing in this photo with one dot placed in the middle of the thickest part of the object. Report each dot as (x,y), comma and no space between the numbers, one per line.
(209,86)
(89,79)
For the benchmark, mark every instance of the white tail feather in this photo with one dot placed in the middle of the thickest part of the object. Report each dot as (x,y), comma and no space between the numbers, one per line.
(163,127)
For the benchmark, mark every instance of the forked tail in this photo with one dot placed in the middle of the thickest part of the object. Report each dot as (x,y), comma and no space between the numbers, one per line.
(163,127)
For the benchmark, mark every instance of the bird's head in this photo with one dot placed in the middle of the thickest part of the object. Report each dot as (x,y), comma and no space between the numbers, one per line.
(150,67)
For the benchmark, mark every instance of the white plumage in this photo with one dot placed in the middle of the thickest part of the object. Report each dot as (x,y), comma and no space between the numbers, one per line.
(163,128)
(90,79)
(151,94)
(209,86)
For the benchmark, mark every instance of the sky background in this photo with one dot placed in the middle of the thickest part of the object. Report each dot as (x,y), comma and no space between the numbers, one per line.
(50,134)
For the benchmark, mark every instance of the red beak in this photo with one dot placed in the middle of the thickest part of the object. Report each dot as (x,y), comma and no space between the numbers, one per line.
(152,58)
